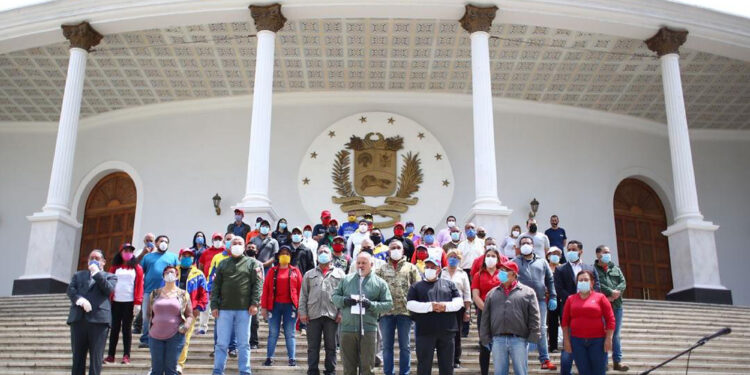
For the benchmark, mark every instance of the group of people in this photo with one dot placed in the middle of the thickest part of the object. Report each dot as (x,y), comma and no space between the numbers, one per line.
(350,288)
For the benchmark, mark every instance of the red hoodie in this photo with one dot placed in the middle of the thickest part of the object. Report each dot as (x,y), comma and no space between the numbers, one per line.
(295,286)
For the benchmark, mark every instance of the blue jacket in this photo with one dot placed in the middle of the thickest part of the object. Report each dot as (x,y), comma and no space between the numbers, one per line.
(537,275)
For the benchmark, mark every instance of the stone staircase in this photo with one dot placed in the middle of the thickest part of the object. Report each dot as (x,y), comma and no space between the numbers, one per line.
(34,339)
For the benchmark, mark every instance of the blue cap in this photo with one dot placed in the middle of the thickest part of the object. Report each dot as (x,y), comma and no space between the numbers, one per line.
(433,260)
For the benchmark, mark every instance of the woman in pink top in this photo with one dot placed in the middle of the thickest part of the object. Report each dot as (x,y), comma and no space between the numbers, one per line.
(170,315)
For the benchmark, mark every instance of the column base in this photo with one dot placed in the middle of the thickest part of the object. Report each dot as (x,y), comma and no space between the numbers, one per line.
(496,221)
(38,286)
(702,295)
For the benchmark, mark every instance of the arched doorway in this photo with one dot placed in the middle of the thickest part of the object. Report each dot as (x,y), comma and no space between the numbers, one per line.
(108,217)
(642,250)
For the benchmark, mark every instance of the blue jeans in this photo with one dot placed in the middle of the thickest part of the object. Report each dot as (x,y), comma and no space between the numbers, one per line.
(237,322)
(616,347)
(281,312)
(589,354)
(505,348)
(541,346)
(232,341)
(388,326)
(566,362)
(164,354)
(144,315)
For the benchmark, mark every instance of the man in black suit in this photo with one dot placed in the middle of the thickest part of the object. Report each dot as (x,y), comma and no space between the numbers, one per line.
(566,286)
(90,314)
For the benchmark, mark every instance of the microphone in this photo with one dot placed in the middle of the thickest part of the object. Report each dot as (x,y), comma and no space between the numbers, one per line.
(721,332)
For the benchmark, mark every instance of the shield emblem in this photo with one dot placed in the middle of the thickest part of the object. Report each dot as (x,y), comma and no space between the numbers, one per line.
(375,166)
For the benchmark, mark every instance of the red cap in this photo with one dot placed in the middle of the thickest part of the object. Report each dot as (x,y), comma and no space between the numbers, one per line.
(307,227)
(325,213)
(217,235)
(127,245)
(187,250)
(511,266)
(333,221)
(398,224)
(236,210)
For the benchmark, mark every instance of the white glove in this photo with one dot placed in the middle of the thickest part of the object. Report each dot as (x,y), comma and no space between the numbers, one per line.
(84,304)
(136,310)
(94,269)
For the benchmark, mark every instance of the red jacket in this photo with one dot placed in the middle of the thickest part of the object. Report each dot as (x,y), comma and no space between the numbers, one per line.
(477,265)
(137,288)
(295,284)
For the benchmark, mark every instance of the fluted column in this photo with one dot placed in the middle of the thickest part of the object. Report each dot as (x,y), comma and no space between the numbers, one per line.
(486,207)
(692,243)
(268,20)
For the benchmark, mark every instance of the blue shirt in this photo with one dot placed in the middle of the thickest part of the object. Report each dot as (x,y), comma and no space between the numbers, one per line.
(348,228)
(153,266)
(556,237)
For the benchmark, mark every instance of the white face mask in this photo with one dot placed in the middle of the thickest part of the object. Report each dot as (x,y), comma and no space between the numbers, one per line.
(430,274)
(237,250)
(363,228)
(170,277)
(217,244)
(526,249)
(163,246)
(396,254)
(451,224)
(490,262)
(516,233)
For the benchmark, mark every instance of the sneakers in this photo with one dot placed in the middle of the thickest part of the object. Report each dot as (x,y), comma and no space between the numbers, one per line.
(268,362)
(292,363)
(179,369)
(620,367)
(202,332)
(233,353)
(125,359)
(109,359)
(548,365)
(254,346)
(378,361)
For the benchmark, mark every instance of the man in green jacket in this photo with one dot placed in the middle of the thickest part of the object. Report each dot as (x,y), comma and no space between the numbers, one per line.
(235,295)
(359,322)
(612,285)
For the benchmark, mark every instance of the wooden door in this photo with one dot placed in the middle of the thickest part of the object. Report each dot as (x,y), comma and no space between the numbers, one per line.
(109,217)
(643,251)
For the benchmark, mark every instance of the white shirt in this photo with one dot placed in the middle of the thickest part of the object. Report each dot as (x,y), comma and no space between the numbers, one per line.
(461,280)
(541,243)
(125,285)
(355,242)
(313,246)
(470,250)
(576,268)
(509,247)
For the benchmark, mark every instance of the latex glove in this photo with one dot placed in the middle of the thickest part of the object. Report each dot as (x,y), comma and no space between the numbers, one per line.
(349,301)
(136,310)
(366,302)
(552,305)
(84,304)
(94,269)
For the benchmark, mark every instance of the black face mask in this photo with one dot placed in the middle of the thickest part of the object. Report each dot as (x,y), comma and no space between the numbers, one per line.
(532,228)
(366,250)
(251,253)
(481,235)
(376,239)
(332,230)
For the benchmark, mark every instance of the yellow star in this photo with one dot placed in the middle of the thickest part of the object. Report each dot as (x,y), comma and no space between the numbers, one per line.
(306,181)
(391,120)
(446,183)
(438,157)
(363,119)
(313,155)
(420,136)
(331,133)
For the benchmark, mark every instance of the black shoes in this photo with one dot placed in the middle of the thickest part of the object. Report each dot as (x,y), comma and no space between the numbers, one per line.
(233,353)
(292,363)
(268,362)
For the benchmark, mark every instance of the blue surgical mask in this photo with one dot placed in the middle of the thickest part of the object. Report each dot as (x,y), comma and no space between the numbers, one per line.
(200,241)
(296,238)
(429,239)
(307,234)
(282,225)
(227,244)
(471,233)
(264,230)
(186,262)
(237,217)
(324,258)
(150,244)
(502,276)
(409,230)
(584,286)
(453,262)
(257,225)
(554,258)
(455,236)
(572,256)
(606,258)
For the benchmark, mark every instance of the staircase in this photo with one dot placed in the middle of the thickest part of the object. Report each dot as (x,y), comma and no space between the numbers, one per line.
(34,339)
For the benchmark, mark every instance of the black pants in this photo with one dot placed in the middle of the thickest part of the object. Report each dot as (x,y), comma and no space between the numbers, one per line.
(457,338)
(88,338)
(328,328)
(253,330)
(426,346)
(553,322)
(122,316)
(138,323)
(484,353)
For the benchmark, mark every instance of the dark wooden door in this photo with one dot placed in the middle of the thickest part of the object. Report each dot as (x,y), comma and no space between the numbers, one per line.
(109,217)
(643,251)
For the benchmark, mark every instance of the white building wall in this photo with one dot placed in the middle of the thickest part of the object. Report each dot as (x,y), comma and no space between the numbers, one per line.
(570,159)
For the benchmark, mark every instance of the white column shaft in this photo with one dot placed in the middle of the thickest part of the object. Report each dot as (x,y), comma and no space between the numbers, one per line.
(58,195)
(686,194)
(256,191)
(485,169)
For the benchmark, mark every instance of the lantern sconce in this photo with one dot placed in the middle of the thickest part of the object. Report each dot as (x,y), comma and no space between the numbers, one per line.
(217,201)
(534,208)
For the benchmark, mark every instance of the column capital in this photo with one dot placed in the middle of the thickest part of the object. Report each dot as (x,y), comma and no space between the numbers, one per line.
(666,41)
(81,35)
(267,17)
(478,18)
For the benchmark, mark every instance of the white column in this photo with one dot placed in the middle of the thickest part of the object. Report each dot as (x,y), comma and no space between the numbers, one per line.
(686,194)
(58,195)
(258,168)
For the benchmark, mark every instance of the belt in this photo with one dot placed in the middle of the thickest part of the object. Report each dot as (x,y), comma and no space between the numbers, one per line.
(509,334)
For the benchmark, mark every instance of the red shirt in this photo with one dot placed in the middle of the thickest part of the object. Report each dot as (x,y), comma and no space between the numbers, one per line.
(584,316)
(283,294)
(484,282)
(287,288)
(207,257)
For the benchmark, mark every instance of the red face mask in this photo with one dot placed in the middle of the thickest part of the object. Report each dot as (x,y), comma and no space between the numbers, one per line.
(398,232)
(325,220)
(338,247)
(421,255)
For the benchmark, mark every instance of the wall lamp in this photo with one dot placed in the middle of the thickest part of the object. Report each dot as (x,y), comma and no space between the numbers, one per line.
(217,201)
(534,208)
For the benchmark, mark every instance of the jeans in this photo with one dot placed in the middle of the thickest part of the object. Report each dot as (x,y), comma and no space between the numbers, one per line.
(505,348)
(281,312)
(232,340)
(164,354)
(325,327)
(589,354)
(616,347)
(237,322)
(566,363)
(542,344)
(388,326)
(144,312)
